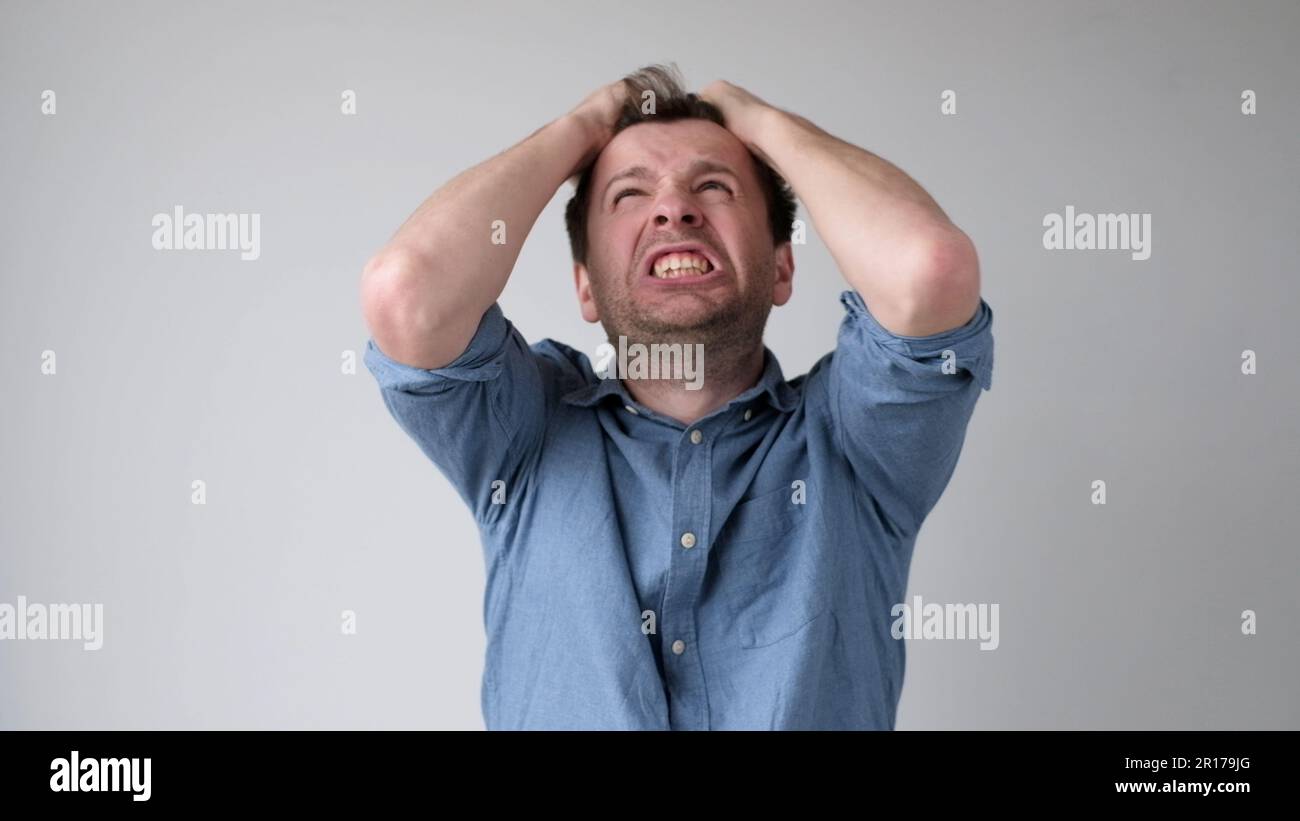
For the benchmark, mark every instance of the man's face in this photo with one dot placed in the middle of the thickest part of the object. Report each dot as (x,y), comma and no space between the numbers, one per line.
(666,184)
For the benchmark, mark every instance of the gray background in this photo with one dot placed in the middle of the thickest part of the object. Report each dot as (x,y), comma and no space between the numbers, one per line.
(174,366)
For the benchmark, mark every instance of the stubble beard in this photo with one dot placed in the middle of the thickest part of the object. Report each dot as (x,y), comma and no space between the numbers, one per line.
(731,332)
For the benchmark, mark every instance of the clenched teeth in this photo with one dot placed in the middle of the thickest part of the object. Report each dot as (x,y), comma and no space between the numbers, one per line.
(672,266)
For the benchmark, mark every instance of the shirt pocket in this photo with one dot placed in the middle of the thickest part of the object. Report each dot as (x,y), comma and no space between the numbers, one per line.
(766,569)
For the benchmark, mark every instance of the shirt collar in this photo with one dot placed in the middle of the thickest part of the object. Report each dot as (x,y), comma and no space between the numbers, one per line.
(771,385)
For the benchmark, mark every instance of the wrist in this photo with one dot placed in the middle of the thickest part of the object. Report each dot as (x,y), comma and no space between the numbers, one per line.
(585,135)
(764,129)
(589,131)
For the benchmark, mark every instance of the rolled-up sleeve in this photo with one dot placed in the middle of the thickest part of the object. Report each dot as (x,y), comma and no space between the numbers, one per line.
(480,419)
(901,405)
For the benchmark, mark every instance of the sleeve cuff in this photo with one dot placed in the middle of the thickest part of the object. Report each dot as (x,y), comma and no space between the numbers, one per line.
(972,343)
(479,362)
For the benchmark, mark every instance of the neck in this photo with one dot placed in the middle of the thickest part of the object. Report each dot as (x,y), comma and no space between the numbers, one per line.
(723,381)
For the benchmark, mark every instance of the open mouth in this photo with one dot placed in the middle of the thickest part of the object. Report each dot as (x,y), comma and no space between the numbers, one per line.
(680,263)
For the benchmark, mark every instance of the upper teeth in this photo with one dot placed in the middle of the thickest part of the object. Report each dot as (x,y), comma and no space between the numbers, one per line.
(677,264)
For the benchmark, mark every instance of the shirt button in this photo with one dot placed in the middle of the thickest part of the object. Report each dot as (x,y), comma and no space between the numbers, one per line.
(748,414)
(696,437)
(688,539)
(679,647)
(630,409)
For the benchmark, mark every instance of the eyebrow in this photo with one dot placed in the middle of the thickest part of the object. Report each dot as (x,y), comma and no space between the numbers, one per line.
(640,172)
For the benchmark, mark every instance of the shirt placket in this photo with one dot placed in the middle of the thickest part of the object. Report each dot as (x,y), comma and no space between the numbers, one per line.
(692,507)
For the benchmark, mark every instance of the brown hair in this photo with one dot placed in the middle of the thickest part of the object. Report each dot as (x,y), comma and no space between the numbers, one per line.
(672,102)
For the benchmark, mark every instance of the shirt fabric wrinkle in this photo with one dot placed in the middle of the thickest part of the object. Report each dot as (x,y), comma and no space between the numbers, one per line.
(802,520)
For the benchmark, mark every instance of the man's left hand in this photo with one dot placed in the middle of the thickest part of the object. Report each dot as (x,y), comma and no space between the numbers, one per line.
(743,111)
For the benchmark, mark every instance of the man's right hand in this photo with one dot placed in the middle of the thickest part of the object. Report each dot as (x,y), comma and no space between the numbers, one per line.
(598,113)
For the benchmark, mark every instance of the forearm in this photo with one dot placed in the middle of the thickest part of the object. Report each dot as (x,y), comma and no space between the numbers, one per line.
(426,290)
(893,243)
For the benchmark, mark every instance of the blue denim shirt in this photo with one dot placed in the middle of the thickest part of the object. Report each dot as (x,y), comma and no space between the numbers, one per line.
(642,577)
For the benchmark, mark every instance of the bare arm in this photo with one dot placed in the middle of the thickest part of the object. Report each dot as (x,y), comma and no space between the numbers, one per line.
(425,291)
(915,270)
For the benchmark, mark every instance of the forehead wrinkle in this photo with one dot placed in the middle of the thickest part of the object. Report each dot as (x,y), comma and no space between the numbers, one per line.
(705,166)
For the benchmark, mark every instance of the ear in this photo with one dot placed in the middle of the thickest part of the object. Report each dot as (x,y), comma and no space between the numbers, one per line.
(586,304)
(784,285)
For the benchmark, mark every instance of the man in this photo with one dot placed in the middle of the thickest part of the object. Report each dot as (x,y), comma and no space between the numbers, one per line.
(675,552)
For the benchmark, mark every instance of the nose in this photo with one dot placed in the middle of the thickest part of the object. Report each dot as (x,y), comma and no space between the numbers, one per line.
(673,208)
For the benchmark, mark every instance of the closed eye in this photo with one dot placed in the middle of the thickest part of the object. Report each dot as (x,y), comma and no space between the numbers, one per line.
(627,191)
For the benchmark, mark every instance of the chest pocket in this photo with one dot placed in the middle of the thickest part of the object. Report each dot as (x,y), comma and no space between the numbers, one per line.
(767,569)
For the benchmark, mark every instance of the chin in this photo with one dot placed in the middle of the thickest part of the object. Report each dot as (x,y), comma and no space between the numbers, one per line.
(683,318)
